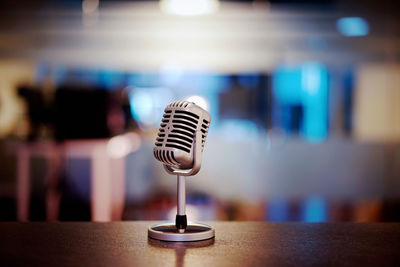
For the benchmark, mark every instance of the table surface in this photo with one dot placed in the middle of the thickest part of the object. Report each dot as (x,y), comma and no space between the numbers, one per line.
(235,244)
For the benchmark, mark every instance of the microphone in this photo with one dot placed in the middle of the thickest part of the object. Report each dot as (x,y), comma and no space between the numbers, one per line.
(179,146)
(183,126)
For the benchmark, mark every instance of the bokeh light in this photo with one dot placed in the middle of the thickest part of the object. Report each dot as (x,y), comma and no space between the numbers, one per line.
(352,26)
(200,101)
(120,146)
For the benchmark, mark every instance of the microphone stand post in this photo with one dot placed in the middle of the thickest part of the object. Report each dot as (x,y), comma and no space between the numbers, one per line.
(180,219)
(181,230)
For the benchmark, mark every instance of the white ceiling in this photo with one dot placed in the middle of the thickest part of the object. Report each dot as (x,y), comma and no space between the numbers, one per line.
(137,36)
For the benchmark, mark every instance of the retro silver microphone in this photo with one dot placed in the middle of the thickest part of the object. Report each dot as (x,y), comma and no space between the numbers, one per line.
(179,146)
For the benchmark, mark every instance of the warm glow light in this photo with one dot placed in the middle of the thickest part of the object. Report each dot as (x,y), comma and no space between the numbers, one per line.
(189,7)
(90,6)
(200,101)
(121,145)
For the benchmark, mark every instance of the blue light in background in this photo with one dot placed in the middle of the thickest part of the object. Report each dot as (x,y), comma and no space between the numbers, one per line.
(352,26)
(286,84)
(111,79)
(179,84)
(147,104)
(144,80)
(304,85)
(141,105)
(278,210)
(249,81)
(203,84)
(314,210)
(314,87)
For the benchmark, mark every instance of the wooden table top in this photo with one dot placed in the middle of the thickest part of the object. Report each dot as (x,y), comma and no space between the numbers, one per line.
(235,244)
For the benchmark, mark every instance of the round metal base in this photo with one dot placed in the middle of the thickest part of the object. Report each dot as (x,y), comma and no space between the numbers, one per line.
(168,232)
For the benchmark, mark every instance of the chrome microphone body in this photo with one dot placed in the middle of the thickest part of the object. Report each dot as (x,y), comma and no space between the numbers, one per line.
(176,137)
(179,146)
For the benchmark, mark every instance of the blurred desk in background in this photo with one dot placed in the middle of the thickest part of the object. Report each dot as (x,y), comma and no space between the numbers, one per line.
(236,244)
(107,176)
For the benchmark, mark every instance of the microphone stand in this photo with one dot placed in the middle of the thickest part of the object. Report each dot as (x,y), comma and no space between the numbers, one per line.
(180,219)
(185,231)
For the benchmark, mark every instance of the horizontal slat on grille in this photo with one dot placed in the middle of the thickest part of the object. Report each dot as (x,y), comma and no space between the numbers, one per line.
(186,118)
(180,142)
(190,135)
(178,147)
(179,126)
(185,122)
(187,113)
(181,137)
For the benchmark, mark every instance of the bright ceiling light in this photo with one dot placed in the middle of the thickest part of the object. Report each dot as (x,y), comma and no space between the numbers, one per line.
(189,7)
(90,6)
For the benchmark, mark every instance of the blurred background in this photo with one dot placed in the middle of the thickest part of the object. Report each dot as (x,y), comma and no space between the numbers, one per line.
(304,98)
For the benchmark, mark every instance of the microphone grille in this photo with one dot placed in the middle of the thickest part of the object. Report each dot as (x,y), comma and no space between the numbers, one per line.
(174,143)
